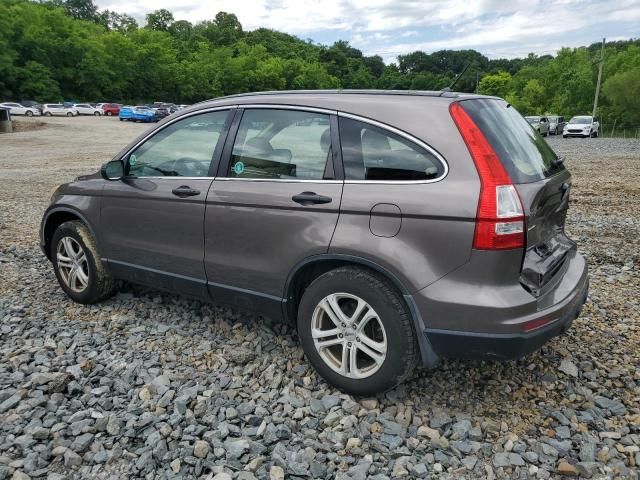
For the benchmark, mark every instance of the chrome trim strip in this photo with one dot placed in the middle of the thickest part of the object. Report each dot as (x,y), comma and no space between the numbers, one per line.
(168,177)
(285,180)
(277,106)
(409,137)
(171,122)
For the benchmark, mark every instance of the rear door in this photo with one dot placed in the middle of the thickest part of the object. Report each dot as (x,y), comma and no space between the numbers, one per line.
(152,220)
(274,203)
(543,184)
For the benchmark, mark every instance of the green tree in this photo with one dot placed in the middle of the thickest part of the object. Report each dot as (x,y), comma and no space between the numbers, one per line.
(159,20)
(623,91)
(498,84)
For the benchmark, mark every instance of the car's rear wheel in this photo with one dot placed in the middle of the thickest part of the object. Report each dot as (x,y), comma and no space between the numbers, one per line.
(109,114)
(29,113)
(97,114)
(357,331)
(78,266)
(69,114)
(47,114)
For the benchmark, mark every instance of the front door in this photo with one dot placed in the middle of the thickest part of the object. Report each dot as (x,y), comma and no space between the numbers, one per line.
(152,220)
(274,203)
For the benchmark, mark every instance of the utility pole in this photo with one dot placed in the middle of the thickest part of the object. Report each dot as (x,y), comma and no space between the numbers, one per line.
(601,62)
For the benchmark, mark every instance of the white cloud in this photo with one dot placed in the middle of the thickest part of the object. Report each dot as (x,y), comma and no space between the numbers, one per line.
(494,27)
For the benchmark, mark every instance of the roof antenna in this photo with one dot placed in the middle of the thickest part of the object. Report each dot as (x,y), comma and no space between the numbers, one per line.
(455,80)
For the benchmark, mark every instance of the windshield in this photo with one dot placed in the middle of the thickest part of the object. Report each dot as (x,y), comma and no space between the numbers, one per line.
(532,119)
(524,153)
(580,120)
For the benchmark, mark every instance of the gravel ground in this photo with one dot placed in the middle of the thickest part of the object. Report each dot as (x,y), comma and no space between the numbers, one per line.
(151,385)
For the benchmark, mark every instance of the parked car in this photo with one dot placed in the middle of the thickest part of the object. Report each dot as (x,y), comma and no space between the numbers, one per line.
(387,243)
(582,126)
(556,124)
(161,112)
(87,109)
(110,109)
(142,113)
(18,109)
(49,109)
(540,124)
(31,104)
(126,113)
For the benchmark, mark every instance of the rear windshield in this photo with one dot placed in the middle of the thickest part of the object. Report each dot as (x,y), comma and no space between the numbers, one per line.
(523,152)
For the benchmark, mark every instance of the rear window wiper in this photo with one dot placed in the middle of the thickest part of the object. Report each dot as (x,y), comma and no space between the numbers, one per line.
(558,161)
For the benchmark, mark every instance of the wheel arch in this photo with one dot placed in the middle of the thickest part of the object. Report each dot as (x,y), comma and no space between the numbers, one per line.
(311,268)
(56,217)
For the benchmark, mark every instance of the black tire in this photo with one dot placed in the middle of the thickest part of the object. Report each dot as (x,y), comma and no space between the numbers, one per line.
(596,134)
(29,113)
(108,114)
(69,114)
(381,295)
(97,114)
(100,284)
(47,114)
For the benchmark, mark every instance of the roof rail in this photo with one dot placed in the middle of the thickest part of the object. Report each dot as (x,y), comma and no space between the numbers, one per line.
(423,93)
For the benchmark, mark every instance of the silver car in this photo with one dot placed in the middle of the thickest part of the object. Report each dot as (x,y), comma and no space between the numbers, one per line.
(540,124)
(49,109)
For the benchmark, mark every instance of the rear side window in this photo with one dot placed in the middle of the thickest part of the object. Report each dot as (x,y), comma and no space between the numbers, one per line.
(523,152)
(373,153)
(281,144)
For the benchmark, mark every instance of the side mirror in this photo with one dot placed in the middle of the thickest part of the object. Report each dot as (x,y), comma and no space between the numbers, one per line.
(113,170)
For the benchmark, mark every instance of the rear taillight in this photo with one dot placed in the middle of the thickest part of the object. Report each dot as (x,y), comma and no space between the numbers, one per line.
(500,218)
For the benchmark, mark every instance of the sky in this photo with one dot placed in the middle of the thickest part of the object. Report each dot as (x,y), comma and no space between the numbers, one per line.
(496,28)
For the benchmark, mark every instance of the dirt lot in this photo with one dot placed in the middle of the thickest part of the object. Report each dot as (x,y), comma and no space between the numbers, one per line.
(157,386)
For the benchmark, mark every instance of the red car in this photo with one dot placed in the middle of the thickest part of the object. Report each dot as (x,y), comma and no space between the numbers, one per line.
(110,109)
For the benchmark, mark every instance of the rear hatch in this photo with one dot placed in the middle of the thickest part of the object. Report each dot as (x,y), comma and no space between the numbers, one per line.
(543,184)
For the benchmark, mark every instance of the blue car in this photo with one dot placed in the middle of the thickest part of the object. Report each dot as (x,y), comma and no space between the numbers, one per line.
(143,114)
(126,113)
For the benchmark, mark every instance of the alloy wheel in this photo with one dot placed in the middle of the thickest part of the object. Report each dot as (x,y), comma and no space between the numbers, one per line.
(73,264)
(349,335)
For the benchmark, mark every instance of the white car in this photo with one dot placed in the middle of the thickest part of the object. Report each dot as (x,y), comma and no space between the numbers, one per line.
(86,109)
(17,109)
(49,109)
(582,126)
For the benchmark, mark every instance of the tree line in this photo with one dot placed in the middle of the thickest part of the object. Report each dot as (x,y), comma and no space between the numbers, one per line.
(69,49)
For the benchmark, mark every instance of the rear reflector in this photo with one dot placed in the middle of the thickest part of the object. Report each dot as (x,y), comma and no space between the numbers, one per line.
(537,323)
(499,218)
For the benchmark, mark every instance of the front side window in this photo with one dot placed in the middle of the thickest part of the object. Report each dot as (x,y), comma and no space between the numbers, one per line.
(183,149)
(373,153)
(281,144)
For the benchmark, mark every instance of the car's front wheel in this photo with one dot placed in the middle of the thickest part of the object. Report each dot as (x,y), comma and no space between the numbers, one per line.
(108,114)
(47,114)
(69,114)
(78,266)
(357,331)
(29,113)
(97,114)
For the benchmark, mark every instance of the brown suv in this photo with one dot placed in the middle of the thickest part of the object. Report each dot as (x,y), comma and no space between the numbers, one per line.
(394,227)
